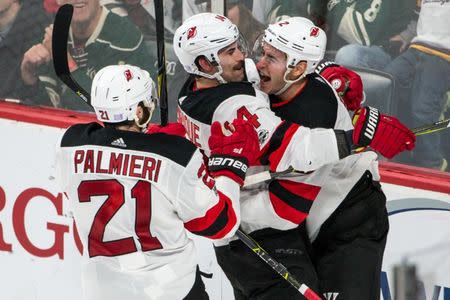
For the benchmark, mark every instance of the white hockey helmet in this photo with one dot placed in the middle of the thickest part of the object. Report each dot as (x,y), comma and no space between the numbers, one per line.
(118,89)
(204,34)
(300,39)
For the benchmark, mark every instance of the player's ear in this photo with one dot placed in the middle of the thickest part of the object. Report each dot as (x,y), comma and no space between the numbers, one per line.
(297,71)
(205,65)
(139,112)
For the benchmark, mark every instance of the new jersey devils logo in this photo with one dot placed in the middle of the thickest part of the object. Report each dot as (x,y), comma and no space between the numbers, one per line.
(191,32)
(128,75)
(314,32)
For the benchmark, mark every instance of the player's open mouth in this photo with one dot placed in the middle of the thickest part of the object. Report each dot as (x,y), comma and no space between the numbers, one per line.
(264,78)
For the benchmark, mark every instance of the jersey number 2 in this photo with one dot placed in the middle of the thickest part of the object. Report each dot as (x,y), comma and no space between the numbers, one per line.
(112,188)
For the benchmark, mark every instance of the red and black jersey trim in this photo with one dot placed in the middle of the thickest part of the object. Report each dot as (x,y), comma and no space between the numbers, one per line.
(274,142)
(217,222)
(275,149)
(292,200)
(176,148)
(201,104)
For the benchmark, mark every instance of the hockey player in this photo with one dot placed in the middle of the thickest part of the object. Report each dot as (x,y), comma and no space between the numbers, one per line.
(134,194)
(207,46)
(348,221)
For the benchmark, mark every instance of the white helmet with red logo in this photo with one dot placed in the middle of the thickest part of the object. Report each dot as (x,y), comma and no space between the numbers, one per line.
(117,90)
(203,35)
(300,39)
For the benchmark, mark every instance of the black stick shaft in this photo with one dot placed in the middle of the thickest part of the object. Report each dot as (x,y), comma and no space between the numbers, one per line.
(162,78)
(60,37)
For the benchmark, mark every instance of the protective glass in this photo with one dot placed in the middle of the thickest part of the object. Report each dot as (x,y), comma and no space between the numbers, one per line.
(257,49)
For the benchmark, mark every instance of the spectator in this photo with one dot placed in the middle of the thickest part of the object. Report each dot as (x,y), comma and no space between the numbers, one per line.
(372,28)
(422,75)
(97,38)
(21,25)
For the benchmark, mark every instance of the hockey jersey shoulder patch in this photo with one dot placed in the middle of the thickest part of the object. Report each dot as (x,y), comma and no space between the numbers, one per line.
(175,148)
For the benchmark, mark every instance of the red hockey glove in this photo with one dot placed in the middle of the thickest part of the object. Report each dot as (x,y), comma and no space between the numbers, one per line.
(382,133)
(347,83)
(170,128)
(231,155)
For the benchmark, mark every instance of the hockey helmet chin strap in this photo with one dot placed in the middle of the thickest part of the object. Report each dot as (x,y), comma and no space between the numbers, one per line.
(217,76)
(288,82)
(143,126)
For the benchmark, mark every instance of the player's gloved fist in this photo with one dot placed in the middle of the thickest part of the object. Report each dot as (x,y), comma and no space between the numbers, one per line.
(347,83)
(170,128)
(382,133)
(231,154)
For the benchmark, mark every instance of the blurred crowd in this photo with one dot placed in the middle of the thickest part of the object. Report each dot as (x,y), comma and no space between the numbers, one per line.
(406,42)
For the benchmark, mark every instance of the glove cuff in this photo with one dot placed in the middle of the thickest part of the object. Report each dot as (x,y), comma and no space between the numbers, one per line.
(230,166)
(364,134)
(325,64)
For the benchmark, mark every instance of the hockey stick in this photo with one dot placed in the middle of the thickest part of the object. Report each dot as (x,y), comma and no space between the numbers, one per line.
(60,36)
(266,175)
(278,267)
(436,126)
(162,78)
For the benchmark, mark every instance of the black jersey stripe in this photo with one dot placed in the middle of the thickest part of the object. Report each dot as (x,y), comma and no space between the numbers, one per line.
(219,224)
(201,104)
(275,141)
(175,148)
(295,201)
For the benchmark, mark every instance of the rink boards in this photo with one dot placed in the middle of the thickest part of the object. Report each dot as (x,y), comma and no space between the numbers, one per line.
(40,251)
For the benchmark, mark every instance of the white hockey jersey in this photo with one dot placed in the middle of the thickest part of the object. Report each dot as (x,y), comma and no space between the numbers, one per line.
(133,197)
